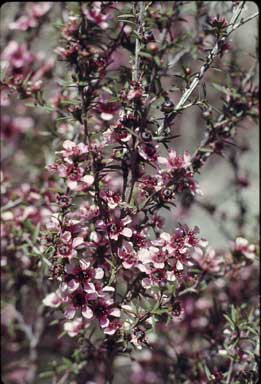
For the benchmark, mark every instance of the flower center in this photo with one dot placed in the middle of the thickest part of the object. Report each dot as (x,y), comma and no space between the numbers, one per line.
(79,300)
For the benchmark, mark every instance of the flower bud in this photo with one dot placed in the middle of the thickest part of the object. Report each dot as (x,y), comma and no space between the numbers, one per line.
(167,106)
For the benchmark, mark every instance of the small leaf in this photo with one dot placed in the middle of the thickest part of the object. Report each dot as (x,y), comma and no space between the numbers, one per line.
(45,375)
(126,15)
(36,232)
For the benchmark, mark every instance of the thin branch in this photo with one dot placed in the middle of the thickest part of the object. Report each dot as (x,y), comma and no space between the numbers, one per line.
(210,58)
(135,72)
(244,21)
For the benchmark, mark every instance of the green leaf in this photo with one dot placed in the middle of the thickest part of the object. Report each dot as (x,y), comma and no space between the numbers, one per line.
(128,22)
(36,233)
(230,322)
(219,87)
(233,314)
(126,15)
(46,374)
(145,54)
(157,61)
(207,371)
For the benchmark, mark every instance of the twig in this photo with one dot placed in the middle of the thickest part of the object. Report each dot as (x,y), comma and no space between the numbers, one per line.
(210,58)
(135,72)
(244,21)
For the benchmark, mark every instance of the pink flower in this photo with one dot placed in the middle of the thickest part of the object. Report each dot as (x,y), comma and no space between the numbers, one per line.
(53,300)
(155,276)
(128,255)
(107,110)
(32,17)
(242,246)
(103,309)
(95,15)
(68,245)
(79,301)
(88,212)
(73,151)
(119,134)
(152,255)
(71,27)
(64,201)
(18,57)
(113,326)
(148,184)
(148,151)
(208,260)
(76,180)
(74,327)
(118,227)
(11,127)
(113,199)
(175,161)
(81,274)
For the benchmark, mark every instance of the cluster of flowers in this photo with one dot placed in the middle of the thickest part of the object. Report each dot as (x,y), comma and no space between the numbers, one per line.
(121,196)
(82,275)
(24,208)
(23,70)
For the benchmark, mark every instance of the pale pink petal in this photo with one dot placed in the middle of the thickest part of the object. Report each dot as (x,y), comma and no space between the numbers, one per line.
(241,242)
(73,285)
(99,273)
(142,268)
(72,184)
(73,327)
(106,116)
(68,145)
(70,268)
(77,241)
(88,179)
(114,236)
(66,237)
(109,331)
(172,154)
(127,265)
(162,160)
(159,265)
(115,312)
(171,276)
(146,283)
(179,266)
(69,312)
(187,159)
(87,312)
(126,220)
(165,236)
(127,232)
(84,264)
(108,289)
(144,255)
(104,25)
(104,322)
(52,300)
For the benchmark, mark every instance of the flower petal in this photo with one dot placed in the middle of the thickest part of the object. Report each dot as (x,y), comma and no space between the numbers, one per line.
(115,312)
(104,321)
(127,232)
(69,312)
(87,312)
(99,273)
(52,300)
(77,241)
(88,179)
